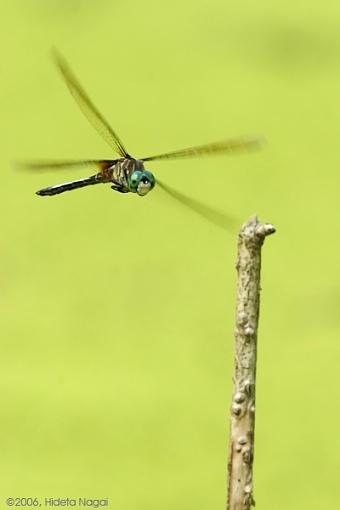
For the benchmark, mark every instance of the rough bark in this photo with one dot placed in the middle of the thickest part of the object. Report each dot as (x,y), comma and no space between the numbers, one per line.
(242,422)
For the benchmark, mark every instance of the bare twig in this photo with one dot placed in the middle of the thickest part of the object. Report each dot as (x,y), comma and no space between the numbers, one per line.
(242,423)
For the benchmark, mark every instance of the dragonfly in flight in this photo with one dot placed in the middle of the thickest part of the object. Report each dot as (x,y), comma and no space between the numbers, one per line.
(125,174)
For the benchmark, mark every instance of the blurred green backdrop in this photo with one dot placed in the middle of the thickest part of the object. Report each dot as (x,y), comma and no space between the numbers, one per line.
(117,312)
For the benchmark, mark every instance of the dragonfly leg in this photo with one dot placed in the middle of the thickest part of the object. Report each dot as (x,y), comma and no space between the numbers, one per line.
(120,189)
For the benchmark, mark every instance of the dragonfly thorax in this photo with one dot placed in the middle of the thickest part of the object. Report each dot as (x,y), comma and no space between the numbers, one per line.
(129,175)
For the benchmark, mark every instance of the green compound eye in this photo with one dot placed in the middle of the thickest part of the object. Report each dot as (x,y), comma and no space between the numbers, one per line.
(148,177)
(134,179)
(139,180)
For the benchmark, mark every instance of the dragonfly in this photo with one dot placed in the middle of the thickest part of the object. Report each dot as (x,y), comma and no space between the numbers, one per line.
(125,174)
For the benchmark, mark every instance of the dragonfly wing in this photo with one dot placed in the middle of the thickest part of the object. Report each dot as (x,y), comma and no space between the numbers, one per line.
(209,213)
(88,108)
(242,144)
(100,165)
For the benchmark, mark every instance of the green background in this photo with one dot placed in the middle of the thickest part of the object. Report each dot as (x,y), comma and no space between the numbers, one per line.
(117,312)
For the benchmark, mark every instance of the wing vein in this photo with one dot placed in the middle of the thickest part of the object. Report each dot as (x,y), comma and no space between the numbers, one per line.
(88,108)
(231,146)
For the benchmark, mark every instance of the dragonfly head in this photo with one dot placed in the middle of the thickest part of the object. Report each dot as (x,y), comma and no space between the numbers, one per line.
(141,182)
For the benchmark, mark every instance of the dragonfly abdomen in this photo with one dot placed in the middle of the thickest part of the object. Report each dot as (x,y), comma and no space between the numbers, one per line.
(68,186)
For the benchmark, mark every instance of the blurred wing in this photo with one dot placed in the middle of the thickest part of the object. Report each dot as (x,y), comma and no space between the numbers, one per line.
(243,144)
(209,213)
(63,165)
(88,108)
